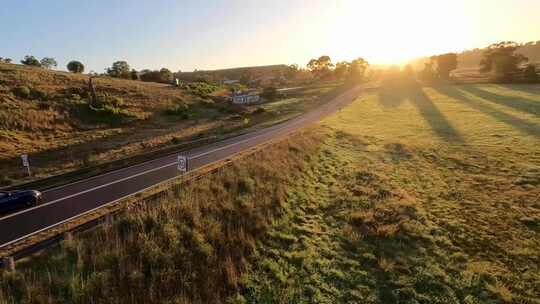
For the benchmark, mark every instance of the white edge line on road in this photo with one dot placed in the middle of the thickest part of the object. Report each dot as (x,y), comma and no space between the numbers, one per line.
(106,204)
(136,175)
(86,212)
(121,169)
(123,179)
(85,191)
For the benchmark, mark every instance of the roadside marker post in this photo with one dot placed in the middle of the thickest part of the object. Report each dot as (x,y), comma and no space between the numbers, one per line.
(182,163)
(26,163)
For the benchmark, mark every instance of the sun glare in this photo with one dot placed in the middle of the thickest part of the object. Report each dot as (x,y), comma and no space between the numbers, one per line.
(394,31)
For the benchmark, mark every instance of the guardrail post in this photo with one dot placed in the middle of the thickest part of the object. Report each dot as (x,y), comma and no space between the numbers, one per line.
(68,236)
(108,219)
(9,263)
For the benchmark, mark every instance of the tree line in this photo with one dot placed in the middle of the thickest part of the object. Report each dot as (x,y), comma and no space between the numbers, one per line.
(119,69)
(499,60)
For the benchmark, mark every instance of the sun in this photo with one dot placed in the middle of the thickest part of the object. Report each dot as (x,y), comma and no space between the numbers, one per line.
(393,31)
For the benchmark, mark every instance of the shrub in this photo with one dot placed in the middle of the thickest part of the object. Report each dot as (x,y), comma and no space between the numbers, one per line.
(105,100)
(201,89)
(270,93)
(180,109)
(75,67)
(22,92)
(530,74)
(31,61)
(260,110)
(39,94)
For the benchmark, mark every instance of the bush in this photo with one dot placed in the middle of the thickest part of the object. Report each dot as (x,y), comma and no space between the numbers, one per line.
(270,93)
(530,75)
(39,94)
(201,89)
(31,61)
(75,67)
(110,101)
(180,109)
(22,92)
(260,110)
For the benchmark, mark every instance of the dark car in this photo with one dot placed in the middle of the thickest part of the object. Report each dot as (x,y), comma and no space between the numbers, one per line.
(11,200)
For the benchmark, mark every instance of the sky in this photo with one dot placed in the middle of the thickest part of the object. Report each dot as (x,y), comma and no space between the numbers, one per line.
(204,34)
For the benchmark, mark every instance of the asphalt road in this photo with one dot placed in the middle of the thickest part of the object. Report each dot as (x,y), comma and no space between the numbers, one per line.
(69,201)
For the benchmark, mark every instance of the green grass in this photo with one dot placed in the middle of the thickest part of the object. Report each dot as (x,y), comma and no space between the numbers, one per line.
(417,196)
(409,195)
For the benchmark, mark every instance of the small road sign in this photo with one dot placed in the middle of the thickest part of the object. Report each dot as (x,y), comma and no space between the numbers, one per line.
(182,163)
(25,163)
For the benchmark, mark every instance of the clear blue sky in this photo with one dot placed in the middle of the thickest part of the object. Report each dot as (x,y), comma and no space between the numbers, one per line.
(216,34)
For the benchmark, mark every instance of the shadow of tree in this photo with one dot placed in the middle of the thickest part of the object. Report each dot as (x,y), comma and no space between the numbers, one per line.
(484,107)
(394,95)
(515,102)
(525,88)
(433,116)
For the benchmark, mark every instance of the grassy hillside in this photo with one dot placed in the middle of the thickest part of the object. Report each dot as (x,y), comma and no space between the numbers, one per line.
(46,114)
(409,195)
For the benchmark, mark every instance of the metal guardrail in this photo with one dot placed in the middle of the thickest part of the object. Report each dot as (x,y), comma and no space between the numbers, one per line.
(8,261)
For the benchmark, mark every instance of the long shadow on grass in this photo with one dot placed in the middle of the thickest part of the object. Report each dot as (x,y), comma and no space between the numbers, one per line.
(518,103)
(393,96)
(525,88)
(484,107)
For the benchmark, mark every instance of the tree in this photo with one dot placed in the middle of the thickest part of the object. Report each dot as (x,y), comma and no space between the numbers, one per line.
(357,69)
(134,75)
(166,75)
(119,69)
(446,63)
(427,75)
(292,71)
(5,60)
(341,69)
(501,61)
(48,62)
(530,75)
(75,66)
(31,61)
(320,67)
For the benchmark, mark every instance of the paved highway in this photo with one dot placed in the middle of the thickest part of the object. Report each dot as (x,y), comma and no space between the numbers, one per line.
(63,203)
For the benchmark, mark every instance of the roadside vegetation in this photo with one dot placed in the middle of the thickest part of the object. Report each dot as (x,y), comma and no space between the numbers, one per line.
(191,244)
(49,115)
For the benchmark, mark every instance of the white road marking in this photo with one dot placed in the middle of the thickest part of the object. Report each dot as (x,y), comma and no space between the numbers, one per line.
(286,125)
(140,173)
(85,191)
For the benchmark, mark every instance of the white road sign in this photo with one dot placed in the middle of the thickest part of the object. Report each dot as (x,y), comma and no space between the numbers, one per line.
(182,163)
(25,162)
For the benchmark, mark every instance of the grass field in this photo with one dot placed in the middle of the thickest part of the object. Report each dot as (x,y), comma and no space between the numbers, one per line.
(418,196)
(409,195)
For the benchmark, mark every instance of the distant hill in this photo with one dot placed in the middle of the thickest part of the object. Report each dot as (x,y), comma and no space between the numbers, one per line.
(234,73)
(471,58)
